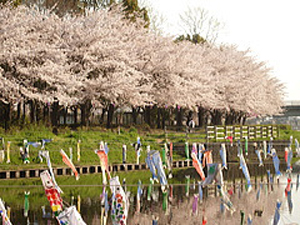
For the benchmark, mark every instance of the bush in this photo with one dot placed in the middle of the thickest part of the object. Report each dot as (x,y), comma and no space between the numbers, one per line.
(133,130)
(284,127)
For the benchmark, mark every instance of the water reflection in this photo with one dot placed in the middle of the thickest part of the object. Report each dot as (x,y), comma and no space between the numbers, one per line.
(177,207)
(290,213)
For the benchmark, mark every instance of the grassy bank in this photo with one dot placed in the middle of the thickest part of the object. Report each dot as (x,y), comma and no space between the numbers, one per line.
(66,138)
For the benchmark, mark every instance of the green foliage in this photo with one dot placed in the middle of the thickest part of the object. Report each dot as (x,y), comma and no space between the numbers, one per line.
(284,127)
(133,11)
(196,39)
(285,134)
(15,2)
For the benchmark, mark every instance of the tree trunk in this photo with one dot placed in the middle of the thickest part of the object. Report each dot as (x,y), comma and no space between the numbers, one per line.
(239,118)
(102,115)
(163,121)
(46,114)
(83,115)
(7,116)
(75,115)
(54,113)
(179,116)
(37,111)
(216,117)
(158,117)
(110,115)
(18,113)
(229,119)
(244,118)
(65,115)
(201,116)
(135,113)
(24,113)
(85,109)
(147,115)
(32,111)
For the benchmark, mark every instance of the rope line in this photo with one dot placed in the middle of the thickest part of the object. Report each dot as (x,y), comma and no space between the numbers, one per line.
(136,185)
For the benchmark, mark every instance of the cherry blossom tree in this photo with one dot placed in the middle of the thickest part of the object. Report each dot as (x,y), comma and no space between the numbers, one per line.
(103,60)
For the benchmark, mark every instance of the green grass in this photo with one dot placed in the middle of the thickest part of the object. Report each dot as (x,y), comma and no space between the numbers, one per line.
(66,138)
(90,138)
(285,134)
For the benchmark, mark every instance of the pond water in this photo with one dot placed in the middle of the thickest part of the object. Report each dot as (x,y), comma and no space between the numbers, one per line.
(288,217)
(179,209)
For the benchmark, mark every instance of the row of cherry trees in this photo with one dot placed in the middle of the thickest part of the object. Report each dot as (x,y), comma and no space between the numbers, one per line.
(102,60)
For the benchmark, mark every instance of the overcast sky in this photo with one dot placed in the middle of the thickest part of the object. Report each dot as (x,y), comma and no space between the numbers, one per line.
(269,28)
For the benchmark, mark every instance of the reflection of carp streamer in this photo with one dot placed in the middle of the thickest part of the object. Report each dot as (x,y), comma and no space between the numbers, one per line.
(52,193)
(70,216)
(246,146)
(276,162)
(119,202)
(187,185)
(214,174)
(200,152)
(277,214)
(104,207)
(138,197)
(5,219)
(207,158)
(270,146)
(297,148)
(265,149)
(168,160)
(288,158)
(195,204)
(198,166)
(225,199)
(223,156)
(258,153)
(26,203)
(288,194)
(239,148)
(200,191)
(150,189)
(297,181)
(245,170)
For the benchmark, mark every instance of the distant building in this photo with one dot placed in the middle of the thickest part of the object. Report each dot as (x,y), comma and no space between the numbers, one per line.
(289,116)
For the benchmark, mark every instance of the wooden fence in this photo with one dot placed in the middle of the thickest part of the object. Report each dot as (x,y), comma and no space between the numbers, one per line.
(215,133)
(219,133)
(89,169)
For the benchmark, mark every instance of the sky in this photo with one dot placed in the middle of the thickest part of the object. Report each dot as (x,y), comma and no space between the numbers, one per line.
(269,28)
